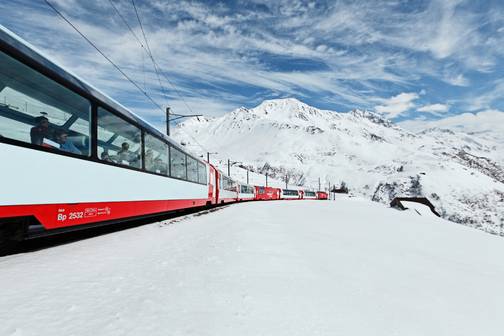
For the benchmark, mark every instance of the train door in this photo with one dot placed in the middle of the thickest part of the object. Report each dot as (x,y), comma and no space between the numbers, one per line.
(212,186)
(217,186)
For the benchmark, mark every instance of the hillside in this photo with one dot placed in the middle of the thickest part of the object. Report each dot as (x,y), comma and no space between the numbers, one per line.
(460,173)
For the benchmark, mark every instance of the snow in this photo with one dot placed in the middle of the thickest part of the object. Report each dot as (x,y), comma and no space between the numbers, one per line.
(419,208)
(462,174)
(345,267)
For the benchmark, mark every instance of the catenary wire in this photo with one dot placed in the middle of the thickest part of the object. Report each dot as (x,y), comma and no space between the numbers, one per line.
(103,54)
(148,50)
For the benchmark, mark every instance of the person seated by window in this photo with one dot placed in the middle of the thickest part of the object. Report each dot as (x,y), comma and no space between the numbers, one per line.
(105,156)
(124,155)
(40,131)
(159,166)
(66,145)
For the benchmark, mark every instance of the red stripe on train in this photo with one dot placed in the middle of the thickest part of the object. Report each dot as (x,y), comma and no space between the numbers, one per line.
(53,216)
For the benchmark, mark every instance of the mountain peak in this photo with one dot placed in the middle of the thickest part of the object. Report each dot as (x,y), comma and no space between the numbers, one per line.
(285,108)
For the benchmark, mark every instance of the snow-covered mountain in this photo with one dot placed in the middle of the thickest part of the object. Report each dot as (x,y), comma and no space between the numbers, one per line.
(461,174)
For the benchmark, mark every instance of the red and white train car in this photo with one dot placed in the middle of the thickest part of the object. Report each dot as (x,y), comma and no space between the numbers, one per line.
(307,194)
(322,195)
(266,193)
(289,194)
(73,157)
(228,189)
(246,192)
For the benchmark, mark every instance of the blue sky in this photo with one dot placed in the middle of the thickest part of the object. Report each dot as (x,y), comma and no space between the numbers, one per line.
(403,59)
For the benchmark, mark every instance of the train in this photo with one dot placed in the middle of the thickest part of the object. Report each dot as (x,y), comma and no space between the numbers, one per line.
(74,158)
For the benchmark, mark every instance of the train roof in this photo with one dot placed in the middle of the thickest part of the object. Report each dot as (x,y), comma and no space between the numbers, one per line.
(27,51)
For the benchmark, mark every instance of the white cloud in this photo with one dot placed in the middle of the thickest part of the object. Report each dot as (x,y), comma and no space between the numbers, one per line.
(397,105)
(457,80)
(434,108)
(488,123)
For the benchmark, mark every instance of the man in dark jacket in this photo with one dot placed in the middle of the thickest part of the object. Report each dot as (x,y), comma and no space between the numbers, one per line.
(40,131)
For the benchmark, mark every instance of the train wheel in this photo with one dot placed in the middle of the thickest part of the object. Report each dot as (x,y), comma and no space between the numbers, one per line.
(11,235)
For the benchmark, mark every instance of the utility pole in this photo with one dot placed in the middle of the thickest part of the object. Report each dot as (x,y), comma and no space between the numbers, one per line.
(319,183)
(208,155)
(168,121)
(266,179)
(229,167)
(247,176)
(178,116)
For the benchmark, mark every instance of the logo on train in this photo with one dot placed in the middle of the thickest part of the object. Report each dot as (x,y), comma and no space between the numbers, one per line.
(87,213)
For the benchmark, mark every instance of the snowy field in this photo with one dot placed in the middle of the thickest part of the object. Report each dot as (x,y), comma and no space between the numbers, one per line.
(349,267)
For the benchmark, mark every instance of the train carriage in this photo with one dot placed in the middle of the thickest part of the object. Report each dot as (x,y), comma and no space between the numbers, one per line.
(266,193)
(246,192)
(307,194)
(322,195)
(289,194)
(228,189)
(72,156)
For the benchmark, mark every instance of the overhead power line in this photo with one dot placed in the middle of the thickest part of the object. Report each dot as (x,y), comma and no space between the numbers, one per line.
(156,67)
(149,52)
(147,49)
(103,54)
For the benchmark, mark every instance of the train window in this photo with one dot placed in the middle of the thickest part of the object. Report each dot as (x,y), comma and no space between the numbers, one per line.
(202,173)
(118,141)
(192,169)
(177,163)
(37,110)
(228,184)
(156,155)
(288,192)
(261,190)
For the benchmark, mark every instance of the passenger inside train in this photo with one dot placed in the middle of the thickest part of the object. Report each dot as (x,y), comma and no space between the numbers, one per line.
(61,137)
(124,155)
(40,131)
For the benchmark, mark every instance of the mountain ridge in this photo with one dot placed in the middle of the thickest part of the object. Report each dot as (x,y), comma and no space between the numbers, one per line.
(376,158)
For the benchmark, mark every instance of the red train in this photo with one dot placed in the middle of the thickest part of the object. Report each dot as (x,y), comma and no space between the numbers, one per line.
(73,157)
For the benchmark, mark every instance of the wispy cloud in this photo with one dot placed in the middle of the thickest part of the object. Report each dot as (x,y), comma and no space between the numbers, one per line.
(434,108)
(397,105)
(218,56)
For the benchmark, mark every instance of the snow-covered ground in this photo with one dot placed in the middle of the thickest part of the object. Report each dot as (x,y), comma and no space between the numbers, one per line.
(345,267)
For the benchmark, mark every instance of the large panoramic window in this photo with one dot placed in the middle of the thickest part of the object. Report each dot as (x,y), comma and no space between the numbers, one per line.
(192,169)
(118,141)
(245,189)
(37,110)
(156,155)
(202,173)
(178,163)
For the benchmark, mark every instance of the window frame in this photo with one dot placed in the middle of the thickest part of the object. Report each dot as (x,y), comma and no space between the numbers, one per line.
(19,57)
(185,164)
(94,103)
(168,153)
